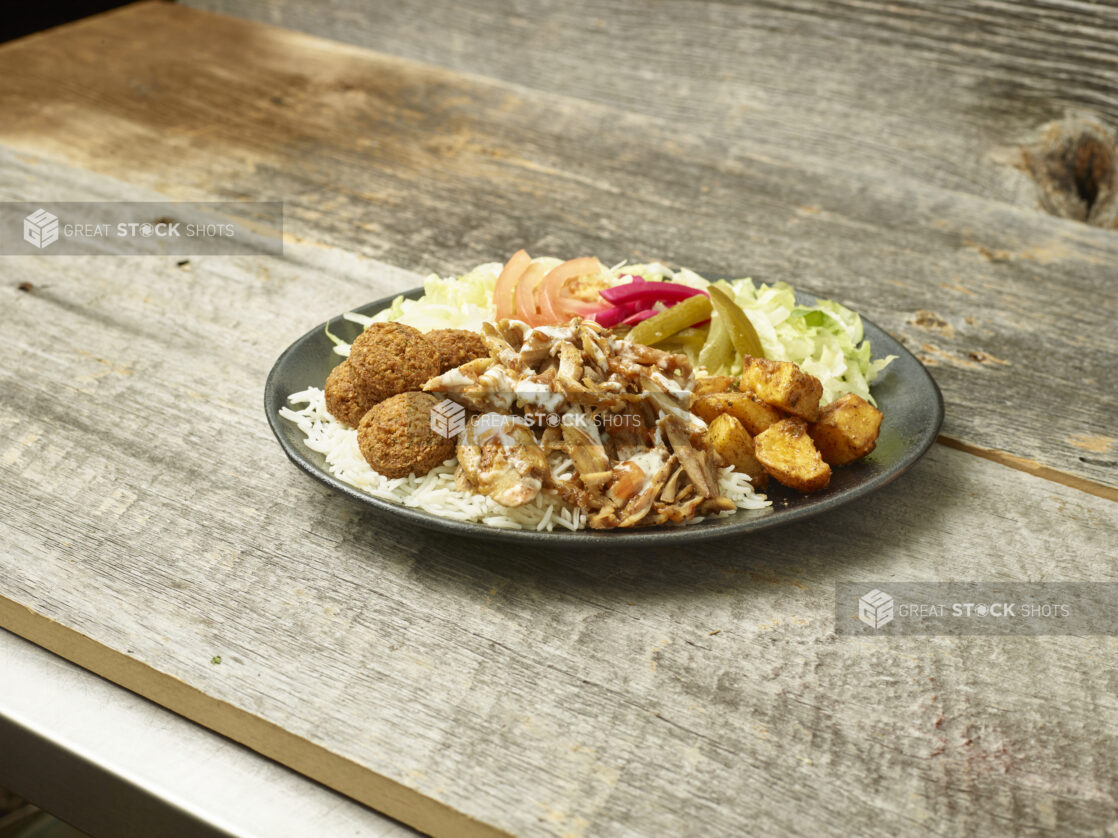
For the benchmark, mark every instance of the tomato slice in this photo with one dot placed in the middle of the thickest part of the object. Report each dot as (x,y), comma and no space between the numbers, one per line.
(526,293)
(572,306)
(572,268)
(562,304)
(546,307)
(504,294)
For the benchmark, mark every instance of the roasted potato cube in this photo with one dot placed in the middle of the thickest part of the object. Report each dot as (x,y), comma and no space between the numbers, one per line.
(733,444)
(712,384)
(753,413)
(782,384)
(847,429)
(788,454)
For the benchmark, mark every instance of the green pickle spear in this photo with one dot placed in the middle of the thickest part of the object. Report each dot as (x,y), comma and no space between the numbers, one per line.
(694,337)
(742,334)
(675,319)
(717,350)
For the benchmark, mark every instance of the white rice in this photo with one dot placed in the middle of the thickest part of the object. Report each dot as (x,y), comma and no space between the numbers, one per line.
(435,491)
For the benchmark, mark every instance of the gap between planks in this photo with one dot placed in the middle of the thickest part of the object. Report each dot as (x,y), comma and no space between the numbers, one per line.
(381,793)
(901,239)
(1032,467)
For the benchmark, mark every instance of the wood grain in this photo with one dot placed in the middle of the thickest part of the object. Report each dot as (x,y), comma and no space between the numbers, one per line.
(945,93)
(421,168)
(150,523)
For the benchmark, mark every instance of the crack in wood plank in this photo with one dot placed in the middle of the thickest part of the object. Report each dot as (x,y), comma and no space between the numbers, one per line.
(1033,467)
(878,245)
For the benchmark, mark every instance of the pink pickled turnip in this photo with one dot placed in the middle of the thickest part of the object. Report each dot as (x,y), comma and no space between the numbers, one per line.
(610,317)
(643,294)
(644,314)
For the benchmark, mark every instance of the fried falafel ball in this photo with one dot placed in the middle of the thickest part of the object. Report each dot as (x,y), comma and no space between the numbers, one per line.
(391,358)
(396,439)
(342,397)
(456,347)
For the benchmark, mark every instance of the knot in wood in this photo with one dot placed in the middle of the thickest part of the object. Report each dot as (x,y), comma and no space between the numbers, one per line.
(1073,164)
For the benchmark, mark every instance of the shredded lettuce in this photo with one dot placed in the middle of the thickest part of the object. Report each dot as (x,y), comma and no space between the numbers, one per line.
(826,340)
(463,302)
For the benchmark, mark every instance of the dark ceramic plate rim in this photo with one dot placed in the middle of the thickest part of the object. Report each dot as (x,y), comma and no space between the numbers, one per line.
(917,382)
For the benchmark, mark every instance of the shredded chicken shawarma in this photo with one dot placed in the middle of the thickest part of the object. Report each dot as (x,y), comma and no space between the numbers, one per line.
(618,411)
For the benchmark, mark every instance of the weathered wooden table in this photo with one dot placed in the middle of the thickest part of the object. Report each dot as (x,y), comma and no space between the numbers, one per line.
(948,170)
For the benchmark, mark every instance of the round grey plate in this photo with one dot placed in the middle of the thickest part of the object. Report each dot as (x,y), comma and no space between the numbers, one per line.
(905,392)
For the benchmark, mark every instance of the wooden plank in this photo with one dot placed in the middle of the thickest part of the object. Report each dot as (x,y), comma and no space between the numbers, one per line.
(429,170)
(943,93)
(150,523)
